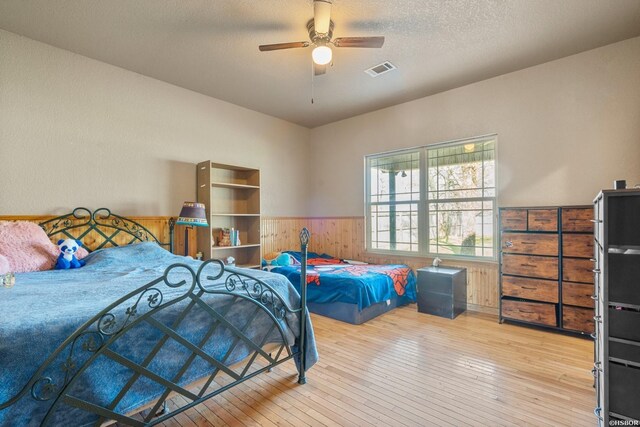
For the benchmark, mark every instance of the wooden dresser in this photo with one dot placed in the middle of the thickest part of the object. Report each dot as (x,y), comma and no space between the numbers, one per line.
(546,275)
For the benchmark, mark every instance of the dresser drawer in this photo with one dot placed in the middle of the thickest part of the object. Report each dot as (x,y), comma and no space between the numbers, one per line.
(513,219)
(530,266)
(535,312)
(578,294)
(527,243)
(542,220)
(577,245)
(578,319)
(577,270)
(577,220)
(534,289)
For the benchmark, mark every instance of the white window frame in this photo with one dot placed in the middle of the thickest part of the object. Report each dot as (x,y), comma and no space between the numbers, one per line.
(423,203)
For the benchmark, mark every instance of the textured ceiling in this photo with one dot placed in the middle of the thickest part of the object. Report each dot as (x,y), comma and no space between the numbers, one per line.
(212,46)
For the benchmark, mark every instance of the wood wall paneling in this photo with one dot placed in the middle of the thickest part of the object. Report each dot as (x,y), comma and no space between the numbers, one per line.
(343,237)
(158,225)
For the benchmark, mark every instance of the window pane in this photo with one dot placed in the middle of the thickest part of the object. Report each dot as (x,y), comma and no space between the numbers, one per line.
(462,176)
(395,178)
(394,193)
(458,171)
(461,228)
(380,227)
(394,227)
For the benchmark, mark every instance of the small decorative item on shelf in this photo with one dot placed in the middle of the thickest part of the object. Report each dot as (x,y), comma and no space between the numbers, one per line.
(8,280)
(231,261)
(436,262)
(235,237)
(620,184)
(224,237)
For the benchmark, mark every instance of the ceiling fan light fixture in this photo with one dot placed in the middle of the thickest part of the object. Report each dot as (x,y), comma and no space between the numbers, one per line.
(321,54)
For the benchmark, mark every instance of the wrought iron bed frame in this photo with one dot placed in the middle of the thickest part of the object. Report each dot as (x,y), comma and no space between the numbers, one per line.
(52,382)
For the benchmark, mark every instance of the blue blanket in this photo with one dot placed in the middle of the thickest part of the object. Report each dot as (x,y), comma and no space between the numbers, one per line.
(43,308)
(363,285)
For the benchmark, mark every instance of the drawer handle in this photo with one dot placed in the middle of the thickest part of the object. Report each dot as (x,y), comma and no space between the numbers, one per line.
(529,288)
(594,297)
(593,260)
(527,265)
(508,244)
(597,221)
(598,363)
(596,270)
(594,336)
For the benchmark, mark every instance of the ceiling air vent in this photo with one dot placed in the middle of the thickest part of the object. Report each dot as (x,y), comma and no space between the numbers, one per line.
(376,70)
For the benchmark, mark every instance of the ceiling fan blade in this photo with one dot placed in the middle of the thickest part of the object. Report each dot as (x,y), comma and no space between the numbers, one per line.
(319,70)
(278,46)
(322,15)
(359,41)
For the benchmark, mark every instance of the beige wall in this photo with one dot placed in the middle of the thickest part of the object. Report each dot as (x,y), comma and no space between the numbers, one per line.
(565,129)
(74,131)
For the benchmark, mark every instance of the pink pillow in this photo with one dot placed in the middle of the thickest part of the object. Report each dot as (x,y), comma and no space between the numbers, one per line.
(4,265)
(26,247)
(81,253)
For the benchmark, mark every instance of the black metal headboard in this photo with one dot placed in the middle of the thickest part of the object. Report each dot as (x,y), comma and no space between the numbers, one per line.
(104,226)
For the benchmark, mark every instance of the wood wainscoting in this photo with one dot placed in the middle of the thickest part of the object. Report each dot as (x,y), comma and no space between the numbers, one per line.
(157,225)
(343,237)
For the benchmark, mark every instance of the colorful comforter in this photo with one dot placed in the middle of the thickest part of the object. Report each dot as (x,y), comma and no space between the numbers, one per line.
(330,279)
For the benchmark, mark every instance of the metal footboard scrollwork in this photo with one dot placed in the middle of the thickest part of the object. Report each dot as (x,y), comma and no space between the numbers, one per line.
(172,307)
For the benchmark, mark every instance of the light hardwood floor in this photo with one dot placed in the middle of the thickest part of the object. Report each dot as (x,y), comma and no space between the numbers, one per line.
(410,369)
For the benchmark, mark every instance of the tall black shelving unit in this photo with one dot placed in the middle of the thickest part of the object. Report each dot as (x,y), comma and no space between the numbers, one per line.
(617,268)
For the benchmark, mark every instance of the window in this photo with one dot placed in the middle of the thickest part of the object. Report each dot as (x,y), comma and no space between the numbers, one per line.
(438,200)
(394,201)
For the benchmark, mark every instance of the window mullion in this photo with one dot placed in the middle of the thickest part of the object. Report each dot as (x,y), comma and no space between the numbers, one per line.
(423,212)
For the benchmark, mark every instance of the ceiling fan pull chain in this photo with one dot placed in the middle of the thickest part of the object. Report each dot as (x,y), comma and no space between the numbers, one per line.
(312,82)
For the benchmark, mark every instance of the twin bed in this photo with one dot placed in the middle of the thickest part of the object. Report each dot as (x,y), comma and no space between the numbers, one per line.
(353,293)
(71,356)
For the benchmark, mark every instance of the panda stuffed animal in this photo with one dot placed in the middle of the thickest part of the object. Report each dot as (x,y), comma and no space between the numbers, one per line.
(67,258)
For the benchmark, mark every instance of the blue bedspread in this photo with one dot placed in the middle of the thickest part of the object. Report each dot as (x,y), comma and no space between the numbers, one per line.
(43,308)
(363,285)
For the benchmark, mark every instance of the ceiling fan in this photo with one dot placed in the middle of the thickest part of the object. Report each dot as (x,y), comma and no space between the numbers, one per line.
(320,29)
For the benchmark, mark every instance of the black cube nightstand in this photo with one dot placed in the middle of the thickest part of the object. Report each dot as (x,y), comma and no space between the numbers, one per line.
(442,291)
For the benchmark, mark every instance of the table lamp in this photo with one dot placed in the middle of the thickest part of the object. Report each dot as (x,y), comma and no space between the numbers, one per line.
(192,214)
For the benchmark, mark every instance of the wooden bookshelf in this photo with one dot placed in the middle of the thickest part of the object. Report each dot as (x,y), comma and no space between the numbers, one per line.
(231,195)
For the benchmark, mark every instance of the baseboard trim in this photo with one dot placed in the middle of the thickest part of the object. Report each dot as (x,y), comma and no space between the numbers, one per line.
(483,309)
